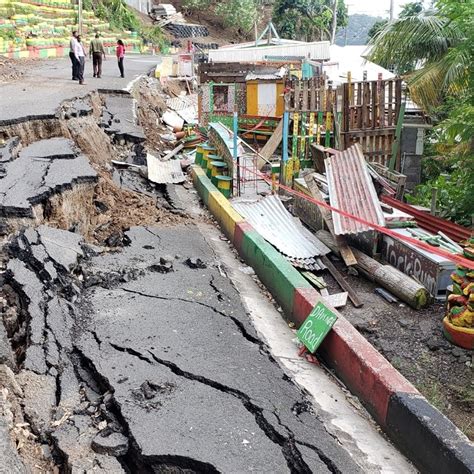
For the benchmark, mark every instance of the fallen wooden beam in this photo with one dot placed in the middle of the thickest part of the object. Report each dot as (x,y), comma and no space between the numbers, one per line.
(342,282)
(344,249)
(173,152)
(272,144)
(401,285)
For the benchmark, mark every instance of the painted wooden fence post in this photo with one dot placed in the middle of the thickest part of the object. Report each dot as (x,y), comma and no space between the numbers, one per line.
(327,141)
(286,127)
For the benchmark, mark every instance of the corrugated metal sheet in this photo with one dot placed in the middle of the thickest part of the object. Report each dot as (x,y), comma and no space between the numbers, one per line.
(276,225)
(163,172)
(255,76)
(184,102)
(351,190)
(317,50)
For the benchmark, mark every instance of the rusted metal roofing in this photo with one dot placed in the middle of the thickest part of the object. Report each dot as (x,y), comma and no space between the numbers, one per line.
(276,225)
(163,172)
(431,223)
(351,190)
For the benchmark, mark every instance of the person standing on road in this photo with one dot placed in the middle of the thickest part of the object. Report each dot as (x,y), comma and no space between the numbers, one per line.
(72,55)
(120,55)
(97,52)
(81,58)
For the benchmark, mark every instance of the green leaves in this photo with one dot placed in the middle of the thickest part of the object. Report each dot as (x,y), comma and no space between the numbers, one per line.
(238,13)
(307,19)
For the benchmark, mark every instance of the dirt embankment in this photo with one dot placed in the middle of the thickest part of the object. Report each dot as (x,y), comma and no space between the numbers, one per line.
(112,207)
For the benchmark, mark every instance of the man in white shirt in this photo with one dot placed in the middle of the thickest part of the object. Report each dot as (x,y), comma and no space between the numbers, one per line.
(80,54)
(72,55)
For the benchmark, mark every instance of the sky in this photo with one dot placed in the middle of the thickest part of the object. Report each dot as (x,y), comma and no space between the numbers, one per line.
(374,7)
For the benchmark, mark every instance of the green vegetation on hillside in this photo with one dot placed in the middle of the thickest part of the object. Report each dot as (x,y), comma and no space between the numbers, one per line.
(121,17)
(307,19)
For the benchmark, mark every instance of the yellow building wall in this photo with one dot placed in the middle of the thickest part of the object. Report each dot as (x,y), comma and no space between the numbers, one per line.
(280,103)
(252,98)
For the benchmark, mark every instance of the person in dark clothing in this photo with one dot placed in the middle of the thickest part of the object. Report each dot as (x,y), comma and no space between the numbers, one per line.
(120,55)
(97,52)
(72,56)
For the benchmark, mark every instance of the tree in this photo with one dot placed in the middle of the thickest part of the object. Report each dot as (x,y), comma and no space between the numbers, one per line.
(240,14)
(433,49)
(377,27)
(308,19)
(430,48)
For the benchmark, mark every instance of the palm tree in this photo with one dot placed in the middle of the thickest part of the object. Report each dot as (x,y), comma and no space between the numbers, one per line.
(431,49)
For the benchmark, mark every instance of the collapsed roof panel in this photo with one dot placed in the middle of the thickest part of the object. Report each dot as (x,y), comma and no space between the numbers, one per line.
(351,190)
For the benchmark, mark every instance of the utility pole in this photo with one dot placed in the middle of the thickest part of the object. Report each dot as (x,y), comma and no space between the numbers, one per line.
(79,17)
(391,10)
(334,22)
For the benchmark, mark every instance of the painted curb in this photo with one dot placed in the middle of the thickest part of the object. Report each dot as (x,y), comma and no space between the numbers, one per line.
(425,435)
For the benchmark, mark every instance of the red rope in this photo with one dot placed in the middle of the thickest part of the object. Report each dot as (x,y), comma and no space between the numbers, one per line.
(458,259)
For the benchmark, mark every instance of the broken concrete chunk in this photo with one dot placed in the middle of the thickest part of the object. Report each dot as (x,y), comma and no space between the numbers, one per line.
(39,172)
(195,263)
(62,246)
(10,461)
(39,396)
(9,150)
(6,354)
(116,444)
(51,148)
(31,236)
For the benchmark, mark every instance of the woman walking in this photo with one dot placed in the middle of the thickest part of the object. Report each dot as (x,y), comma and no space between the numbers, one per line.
(120,55)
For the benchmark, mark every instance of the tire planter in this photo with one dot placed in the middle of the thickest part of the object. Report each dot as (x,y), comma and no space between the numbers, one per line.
(462,337)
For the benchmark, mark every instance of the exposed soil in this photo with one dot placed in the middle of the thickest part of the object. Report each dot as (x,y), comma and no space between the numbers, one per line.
(12,69)
(113,208)
(413,343)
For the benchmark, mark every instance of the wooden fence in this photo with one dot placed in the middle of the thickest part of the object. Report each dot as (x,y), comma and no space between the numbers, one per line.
(365,112)
(370,116)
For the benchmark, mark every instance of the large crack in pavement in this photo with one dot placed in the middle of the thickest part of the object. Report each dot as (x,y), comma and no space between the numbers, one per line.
(141,358)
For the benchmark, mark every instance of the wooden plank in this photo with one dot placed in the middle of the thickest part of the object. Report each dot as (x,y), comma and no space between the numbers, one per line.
(318,130)
(294,148)
(297,89)
(302,152)
(271,145)
(337,300)
(311,128)
(345,250)
(373,104)
(382,104)
(327,139)
(365,106)
(359,104)
(304,104)
(315,280)
(389,104)
(342,282)
(173,152)
(312,101)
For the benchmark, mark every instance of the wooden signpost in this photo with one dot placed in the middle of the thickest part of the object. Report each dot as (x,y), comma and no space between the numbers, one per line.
(316,327)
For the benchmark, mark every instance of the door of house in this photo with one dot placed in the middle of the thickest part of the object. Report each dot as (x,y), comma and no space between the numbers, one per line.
(267,94)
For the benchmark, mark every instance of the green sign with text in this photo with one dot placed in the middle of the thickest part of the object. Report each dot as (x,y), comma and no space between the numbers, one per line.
(316,327)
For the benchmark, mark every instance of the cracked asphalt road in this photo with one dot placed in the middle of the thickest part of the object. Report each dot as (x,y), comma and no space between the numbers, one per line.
(217,399)
(49,84)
